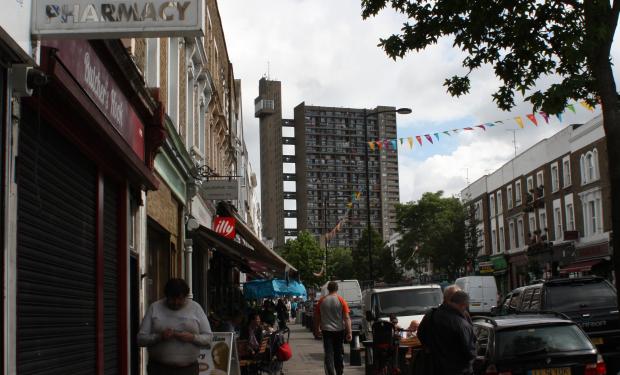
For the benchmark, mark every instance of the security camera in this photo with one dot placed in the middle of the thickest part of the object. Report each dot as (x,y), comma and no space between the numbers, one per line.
(25,78)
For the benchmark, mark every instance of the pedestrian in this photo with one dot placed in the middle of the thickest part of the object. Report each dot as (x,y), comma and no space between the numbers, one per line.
(333,322)
(448,333)
(173,330)
(294,309)
(282,312)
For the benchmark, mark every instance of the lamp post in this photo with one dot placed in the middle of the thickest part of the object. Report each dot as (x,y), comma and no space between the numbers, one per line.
(402,111)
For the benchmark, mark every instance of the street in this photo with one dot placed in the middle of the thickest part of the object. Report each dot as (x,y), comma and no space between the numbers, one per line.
(308,355)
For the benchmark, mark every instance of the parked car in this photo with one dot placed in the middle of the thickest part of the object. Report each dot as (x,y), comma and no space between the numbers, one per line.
(405,303)
(482,292)
(590,302)
(534,344)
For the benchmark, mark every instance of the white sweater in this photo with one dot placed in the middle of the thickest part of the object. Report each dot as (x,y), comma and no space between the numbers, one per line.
(190,318)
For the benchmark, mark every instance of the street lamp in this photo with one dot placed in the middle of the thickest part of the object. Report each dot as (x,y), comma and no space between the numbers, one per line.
(402,111)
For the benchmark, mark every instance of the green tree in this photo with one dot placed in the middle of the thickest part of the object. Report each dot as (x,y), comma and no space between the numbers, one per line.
(305,254)
(524,41)
(434,227)
(340,263)
(383,264)
(472,233)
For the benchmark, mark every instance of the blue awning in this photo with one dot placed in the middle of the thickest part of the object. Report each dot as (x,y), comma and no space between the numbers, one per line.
(257,289)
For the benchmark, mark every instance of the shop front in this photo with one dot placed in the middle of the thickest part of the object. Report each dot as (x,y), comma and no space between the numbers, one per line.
(86,145)
(518,269)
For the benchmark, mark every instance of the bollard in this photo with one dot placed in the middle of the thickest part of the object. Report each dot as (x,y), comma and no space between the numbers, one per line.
(355,352)
(368,362)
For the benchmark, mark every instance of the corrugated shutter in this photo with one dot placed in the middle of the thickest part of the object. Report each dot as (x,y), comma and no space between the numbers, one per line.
(110,279)
(56,245)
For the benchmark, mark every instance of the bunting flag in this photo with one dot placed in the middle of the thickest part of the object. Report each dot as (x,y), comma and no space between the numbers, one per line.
(499,122)
(468,128)
(559,116)
(358,195)
(419,139)
(455,131)
(371,144)
(586,105)
(571,107)
(379,145)
(532,118)
(447,133)
(437,136)
(545,116)
(394,144)
(490,124)
(410,140)
(386,144)
(429,138)
(350,204)
(519,121)
(401,141)
(481,127)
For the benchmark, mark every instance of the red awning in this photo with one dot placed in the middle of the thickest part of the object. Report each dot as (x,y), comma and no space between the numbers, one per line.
(582,266)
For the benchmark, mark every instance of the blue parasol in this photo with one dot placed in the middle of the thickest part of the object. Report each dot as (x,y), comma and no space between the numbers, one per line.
(257,289)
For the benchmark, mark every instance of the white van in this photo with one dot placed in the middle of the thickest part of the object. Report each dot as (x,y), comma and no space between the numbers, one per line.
(407,303)
(482,292)
(349,290)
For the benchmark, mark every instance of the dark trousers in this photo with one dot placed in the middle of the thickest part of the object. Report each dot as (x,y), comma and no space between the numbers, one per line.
(156,368)
(334,352)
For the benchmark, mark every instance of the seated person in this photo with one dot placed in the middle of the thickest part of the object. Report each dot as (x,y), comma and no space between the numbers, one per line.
(253,333)
(413,328)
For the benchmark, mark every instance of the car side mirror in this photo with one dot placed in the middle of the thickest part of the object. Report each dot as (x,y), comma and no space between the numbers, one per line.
(369,316)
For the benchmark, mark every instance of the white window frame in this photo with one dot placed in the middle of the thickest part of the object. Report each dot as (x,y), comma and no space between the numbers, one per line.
(492,205)
(540,181)
(542,221)
(520,233)
(592,212)
(493,241)
(532,224)
(152,65)
(509,196)
(530,185)
(498,202)
(566,172)
(501,240)
(518,193)
(555,177)
(557,218)
(511,234)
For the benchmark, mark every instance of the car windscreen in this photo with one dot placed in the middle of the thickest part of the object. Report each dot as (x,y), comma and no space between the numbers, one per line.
(578,296)
(408,301)
(528,341)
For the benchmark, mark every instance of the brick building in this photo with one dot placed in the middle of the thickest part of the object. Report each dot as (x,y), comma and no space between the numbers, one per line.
(547,212)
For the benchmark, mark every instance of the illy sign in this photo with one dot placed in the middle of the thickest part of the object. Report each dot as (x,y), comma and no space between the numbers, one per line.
(107,19)
(225,226)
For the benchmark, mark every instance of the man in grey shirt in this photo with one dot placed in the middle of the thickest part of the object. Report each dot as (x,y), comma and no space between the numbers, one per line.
(173,329)
(332,321)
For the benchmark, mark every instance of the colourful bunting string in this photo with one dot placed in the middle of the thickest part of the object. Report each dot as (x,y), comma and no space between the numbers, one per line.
(393,143)
(532,118)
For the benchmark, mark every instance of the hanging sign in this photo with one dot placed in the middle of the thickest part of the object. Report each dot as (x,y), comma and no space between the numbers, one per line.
(225,226)
(221,190)
(111,19)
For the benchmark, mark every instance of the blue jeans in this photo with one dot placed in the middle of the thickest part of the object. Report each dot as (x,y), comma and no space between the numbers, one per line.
(334,352)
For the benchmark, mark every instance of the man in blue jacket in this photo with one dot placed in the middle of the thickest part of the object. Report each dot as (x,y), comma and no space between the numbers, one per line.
(448,332)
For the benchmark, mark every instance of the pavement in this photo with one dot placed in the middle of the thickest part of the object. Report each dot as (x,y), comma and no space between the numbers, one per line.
(308,355)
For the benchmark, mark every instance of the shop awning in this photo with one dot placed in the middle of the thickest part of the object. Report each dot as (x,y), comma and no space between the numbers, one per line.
(257,289)
(241,255)
(583,266)
(244,231)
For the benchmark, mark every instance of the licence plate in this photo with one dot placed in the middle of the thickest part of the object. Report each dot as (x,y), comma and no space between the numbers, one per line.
(597,340)
(551,371)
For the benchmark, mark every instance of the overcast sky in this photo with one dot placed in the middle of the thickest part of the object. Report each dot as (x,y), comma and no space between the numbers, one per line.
(325,54)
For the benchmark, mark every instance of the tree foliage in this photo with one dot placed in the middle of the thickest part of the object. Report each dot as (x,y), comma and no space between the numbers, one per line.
(340,263)
(305,254)
(383,264)
(433,228)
